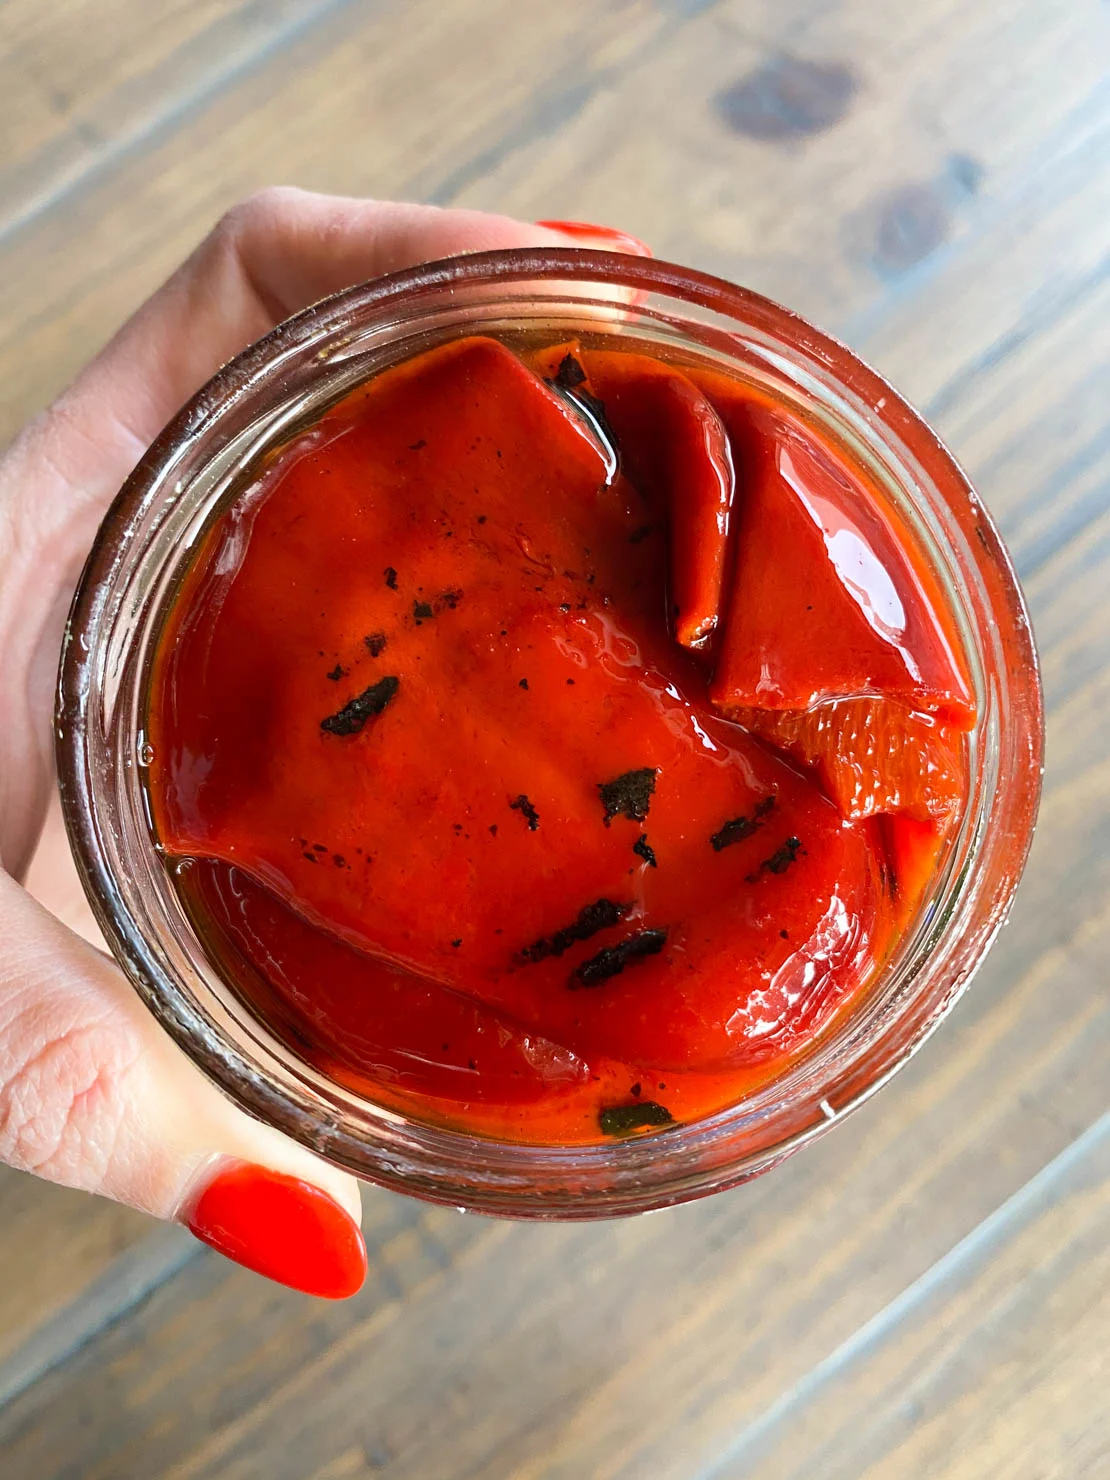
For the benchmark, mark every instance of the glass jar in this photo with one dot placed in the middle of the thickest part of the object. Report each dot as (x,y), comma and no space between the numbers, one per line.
(282,383)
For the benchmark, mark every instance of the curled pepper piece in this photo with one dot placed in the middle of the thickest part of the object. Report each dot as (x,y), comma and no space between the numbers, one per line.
(364,1022)
(673,448)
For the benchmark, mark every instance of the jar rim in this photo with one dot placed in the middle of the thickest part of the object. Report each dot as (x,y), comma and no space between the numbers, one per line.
(510,1178)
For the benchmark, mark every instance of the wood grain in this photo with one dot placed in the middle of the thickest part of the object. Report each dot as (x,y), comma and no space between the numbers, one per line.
(994,1364)
(933,183)
(361,105)
(81,83)
(831,220)
(55,1243)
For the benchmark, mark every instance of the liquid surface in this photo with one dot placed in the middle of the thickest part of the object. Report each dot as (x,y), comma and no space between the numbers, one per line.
(554,749)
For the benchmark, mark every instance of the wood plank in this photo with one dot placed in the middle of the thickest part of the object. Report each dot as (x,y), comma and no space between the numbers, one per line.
(360,105)
(80,83)
(995,1364)
(563,1351)
(112,1287)
(55,1244)
(254,1327)
(942,110)
(576,113)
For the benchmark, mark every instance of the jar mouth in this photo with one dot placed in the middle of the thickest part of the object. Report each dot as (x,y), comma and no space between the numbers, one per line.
(265,395)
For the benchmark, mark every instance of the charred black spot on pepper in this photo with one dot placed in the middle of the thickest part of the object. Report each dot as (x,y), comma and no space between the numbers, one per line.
(354,714)
(569,374)
(611,960)
(739,828)
(623,1120)
(337,673)
(639,534)
(390,577)
(451,599)
(645,850)
(603,914)
(628,795)
(780,860)
(481,518)
(416,446)
(422,610)
(734,831)
(456,943)
(523,683)
(637,1089)
(522,805)
(375,643)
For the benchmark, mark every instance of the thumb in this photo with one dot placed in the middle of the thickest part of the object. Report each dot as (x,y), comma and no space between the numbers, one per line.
(94,1095)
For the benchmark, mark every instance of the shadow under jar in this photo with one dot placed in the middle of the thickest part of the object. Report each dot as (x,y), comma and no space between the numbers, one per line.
(594,1143)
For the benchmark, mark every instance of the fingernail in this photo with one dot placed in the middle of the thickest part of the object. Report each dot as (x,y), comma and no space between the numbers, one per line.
(281,1227)
(606,237)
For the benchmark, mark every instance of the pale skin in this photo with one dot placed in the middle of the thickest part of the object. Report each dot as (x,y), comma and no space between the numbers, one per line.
(92,1093)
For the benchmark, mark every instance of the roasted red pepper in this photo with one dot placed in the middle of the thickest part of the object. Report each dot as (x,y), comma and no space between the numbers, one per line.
(674,450)
(445,714)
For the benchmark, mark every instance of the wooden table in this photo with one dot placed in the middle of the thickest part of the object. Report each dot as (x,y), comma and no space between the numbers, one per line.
(926,1292)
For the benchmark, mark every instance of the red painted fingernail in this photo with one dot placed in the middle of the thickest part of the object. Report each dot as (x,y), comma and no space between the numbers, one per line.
(281,1227)
(620,241)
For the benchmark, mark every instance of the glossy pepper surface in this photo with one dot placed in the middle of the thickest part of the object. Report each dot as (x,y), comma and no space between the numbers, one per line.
(444,724)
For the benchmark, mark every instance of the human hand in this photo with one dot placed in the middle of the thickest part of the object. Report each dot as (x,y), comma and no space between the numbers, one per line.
(92,1093)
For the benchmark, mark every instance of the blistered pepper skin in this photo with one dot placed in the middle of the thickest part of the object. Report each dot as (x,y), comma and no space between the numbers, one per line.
(471,832)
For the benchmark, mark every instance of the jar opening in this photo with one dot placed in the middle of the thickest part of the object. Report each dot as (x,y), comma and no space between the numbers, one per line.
(281,385)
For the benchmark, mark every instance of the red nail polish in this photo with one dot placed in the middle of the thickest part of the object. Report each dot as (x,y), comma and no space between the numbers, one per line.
(281,1227)
(620,240)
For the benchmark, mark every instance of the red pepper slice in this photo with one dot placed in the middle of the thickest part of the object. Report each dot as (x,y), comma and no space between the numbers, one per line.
(674,449)
(364,1022)
(836,645)
(765,939)
(829,600)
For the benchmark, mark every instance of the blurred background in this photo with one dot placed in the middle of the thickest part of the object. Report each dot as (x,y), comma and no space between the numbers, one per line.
(926,1293)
